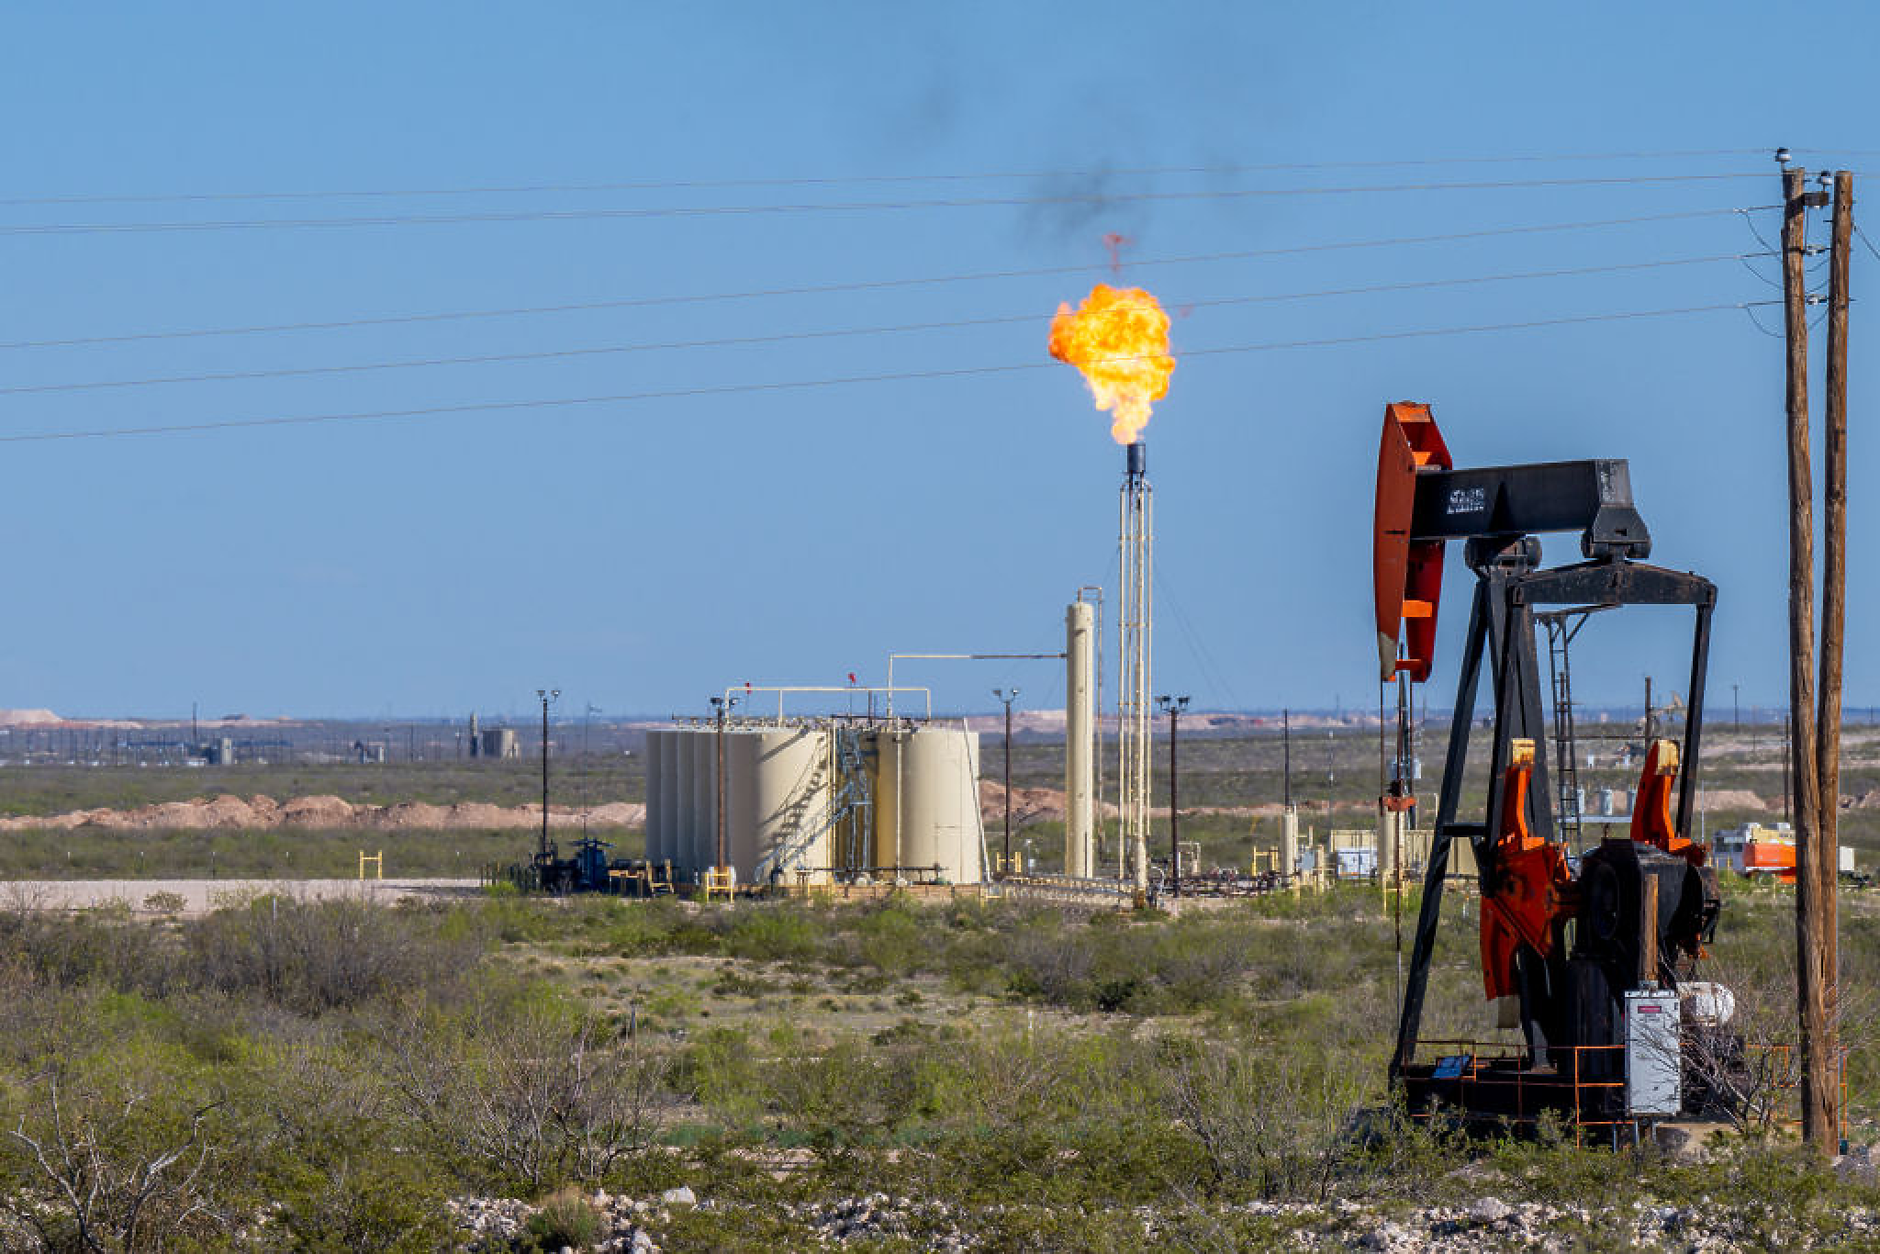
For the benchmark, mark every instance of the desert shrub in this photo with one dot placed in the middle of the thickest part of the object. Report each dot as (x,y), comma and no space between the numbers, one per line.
(315,956)
(364,1196)
(115,1154)
(564,1221)
(93,947)
(1267,1122)
(893,937)
(523,1089)
(719,1070)
(773,934)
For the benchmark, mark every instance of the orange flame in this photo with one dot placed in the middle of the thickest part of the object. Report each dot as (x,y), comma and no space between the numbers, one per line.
(1119,341)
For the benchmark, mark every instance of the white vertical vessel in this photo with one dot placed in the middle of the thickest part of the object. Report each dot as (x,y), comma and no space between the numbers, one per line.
(1079,741)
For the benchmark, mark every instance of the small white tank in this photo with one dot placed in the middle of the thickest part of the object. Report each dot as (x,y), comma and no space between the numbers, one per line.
(929,797)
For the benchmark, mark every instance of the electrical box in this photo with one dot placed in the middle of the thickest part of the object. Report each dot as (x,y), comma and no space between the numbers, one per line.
(1653,1058)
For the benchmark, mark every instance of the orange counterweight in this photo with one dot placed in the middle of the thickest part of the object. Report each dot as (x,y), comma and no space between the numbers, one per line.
(1533,887)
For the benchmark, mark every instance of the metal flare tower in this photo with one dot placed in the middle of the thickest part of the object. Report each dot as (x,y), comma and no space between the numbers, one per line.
(1135,548)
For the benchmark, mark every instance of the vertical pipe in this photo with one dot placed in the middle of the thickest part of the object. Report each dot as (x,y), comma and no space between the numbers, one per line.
(1174,803)
(1289,842)
(1144,686)
(1007,856)
(544,849)
(1286,735)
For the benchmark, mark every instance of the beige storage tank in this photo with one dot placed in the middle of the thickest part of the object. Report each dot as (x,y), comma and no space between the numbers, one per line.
(791,797)
(884,770)
(927,804)
(650,758)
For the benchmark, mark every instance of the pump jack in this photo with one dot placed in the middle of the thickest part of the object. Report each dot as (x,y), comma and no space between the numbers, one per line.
(1570,957)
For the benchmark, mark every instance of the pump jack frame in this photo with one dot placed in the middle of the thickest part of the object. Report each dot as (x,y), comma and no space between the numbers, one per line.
(1509,585)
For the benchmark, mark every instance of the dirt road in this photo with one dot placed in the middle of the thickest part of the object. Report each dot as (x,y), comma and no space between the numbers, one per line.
(154,897)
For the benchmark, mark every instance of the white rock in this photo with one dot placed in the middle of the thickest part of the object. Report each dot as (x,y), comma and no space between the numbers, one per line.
(1489,1210)
(681,1196)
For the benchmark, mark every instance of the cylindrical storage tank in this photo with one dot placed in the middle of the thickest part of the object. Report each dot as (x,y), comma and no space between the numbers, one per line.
(673,794)
(791,800)
(741,750)
(650,758)
(679,801)
(884,783)
(704,835)
(1079,741)
(939,805)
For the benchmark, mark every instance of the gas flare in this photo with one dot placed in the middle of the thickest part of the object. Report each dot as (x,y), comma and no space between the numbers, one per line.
(1119,341)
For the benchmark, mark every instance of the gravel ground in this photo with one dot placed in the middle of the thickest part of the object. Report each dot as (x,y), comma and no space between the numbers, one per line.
(1482,1226)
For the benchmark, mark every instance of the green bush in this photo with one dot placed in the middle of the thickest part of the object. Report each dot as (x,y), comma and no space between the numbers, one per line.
(773,933)
(565,1221)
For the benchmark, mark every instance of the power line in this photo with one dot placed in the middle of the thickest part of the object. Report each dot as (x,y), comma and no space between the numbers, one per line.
(836,333)
(863,206)
(642,302)
(727,389)
(856,179)
(1868,242)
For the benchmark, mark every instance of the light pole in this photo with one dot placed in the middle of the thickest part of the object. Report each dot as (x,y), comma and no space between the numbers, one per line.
(1736,711)
(1173,707)
(546,695)
(1008,698)
(721,706)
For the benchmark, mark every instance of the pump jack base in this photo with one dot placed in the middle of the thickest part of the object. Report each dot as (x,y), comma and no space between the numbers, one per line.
(1483,1088)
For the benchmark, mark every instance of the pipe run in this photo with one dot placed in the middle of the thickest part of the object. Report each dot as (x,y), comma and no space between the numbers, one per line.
(750,689)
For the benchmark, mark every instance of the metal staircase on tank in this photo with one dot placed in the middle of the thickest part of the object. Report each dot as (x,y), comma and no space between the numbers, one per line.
(851,809)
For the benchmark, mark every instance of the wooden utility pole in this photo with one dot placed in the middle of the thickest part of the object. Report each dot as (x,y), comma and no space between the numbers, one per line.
(1811,914)
(1834,615)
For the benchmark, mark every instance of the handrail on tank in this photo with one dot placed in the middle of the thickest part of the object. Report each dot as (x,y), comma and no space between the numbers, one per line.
(957,657)
(780,690)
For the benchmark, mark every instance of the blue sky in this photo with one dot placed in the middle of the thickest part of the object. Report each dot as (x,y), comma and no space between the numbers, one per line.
(643,554)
